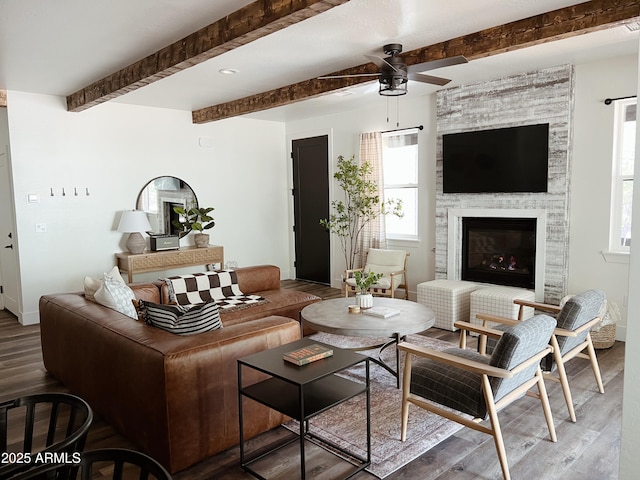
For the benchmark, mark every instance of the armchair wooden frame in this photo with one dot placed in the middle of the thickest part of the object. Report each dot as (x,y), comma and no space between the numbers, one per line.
(486,371)
(559,359)
(377,291)
(577,351)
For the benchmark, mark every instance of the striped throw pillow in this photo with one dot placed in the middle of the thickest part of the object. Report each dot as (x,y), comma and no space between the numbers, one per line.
(200,318)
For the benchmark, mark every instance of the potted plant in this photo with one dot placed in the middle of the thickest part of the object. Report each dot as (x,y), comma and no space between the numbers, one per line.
(198,219)
(361,205)
(364,280)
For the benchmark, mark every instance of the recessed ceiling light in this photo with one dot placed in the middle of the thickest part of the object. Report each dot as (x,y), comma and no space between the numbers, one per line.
(228,71)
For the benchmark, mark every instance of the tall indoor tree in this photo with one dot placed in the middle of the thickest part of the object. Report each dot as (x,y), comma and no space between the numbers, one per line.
(361,205)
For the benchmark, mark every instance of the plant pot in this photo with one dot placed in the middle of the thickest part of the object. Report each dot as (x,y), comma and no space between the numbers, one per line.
(364,300)
(201,239)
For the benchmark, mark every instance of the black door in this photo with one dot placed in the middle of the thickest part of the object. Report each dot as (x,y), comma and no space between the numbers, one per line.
(311,203)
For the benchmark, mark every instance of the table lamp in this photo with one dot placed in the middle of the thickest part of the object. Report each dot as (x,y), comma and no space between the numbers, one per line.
(133,222)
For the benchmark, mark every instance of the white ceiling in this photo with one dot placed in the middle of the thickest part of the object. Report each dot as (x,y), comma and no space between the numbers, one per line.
(58,47)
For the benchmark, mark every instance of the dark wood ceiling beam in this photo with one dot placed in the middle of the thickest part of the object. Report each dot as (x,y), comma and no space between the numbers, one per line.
(547,27)
(243,26)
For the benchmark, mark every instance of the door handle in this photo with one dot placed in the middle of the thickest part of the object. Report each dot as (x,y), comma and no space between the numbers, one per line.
(9,246)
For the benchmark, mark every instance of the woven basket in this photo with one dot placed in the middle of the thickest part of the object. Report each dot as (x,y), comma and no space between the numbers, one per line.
(605,337)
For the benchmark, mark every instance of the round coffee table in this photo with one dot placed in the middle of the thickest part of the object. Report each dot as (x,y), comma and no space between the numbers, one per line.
(332,316)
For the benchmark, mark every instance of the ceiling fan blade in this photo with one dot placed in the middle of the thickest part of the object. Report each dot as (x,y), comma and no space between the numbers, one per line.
(428,79)
(433,64)
(325,77)
(381,62)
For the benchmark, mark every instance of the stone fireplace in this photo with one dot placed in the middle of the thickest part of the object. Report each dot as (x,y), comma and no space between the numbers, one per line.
(544,96)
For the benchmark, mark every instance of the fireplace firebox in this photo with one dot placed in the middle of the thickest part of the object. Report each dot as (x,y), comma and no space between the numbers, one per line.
(500,251)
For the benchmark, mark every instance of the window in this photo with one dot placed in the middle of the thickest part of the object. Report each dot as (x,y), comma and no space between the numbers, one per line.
(400,169)
(624,145)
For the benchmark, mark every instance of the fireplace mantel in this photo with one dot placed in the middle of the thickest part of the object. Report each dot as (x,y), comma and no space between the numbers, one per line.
(454,238)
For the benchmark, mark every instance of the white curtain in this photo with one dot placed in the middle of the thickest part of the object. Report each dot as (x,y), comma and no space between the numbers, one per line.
(374,233)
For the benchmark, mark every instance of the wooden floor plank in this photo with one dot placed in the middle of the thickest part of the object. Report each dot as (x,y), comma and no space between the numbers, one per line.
(585,450)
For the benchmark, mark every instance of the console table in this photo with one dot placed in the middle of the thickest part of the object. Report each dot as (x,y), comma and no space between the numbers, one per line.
(133,263)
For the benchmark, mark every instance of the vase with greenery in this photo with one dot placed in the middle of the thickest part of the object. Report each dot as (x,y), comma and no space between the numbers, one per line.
(198,219)
(364,281)
(361,205)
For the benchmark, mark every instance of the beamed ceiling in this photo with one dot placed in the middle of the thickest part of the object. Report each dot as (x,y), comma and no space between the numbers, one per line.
(280,47)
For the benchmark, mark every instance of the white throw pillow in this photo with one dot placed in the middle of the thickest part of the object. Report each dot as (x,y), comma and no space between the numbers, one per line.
(91,285)
(116,295)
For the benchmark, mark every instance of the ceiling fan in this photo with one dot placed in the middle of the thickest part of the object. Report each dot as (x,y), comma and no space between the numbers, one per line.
(394,74)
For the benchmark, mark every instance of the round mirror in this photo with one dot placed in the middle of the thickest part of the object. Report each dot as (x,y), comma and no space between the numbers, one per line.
(159,197)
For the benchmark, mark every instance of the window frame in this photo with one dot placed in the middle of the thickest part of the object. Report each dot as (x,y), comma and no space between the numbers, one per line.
(396,237)
(618,179)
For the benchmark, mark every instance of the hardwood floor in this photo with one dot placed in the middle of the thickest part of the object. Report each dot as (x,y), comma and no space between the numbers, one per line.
(585,450)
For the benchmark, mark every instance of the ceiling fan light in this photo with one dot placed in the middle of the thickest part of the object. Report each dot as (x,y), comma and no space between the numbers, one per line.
(393,86)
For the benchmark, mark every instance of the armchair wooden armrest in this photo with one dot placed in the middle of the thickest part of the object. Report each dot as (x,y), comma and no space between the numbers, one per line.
(468,364)
(453,360)
(481,330)
(350,272)
(485,317)
(574,333)
(534,359)
(545,307)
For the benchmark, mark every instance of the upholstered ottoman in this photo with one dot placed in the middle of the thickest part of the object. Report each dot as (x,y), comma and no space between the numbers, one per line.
(449,299)
(499,301)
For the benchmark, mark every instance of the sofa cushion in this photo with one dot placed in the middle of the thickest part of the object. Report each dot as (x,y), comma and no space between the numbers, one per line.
(183,320)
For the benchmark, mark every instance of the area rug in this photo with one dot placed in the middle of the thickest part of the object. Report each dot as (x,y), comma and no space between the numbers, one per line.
(345,424)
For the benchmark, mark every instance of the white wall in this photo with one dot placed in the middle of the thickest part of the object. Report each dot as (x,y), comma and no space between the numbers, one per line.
(343,130)
(113,150)
(591,180)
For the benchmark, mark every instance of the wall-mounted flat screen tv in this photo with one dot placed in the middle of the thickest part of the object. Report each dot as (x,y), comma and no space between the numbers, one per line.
(513,159)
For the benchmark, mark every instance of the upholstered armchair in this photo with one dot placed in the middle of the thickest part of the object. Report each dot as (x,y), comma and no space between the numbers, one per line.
(456,382)
(571,338)
(392,264)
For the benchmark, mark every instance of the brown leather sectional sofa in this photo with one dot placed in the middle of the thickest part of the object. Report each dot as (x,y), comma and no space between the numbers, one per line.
(174,396)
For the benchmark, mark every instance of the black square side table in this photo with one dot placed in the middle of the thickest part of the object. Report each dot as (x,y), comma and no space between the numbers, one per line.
(301,392)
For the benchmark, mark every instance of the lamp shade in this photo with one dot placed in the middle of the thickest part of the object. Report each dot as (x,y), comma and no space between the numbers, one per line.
(134,221)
